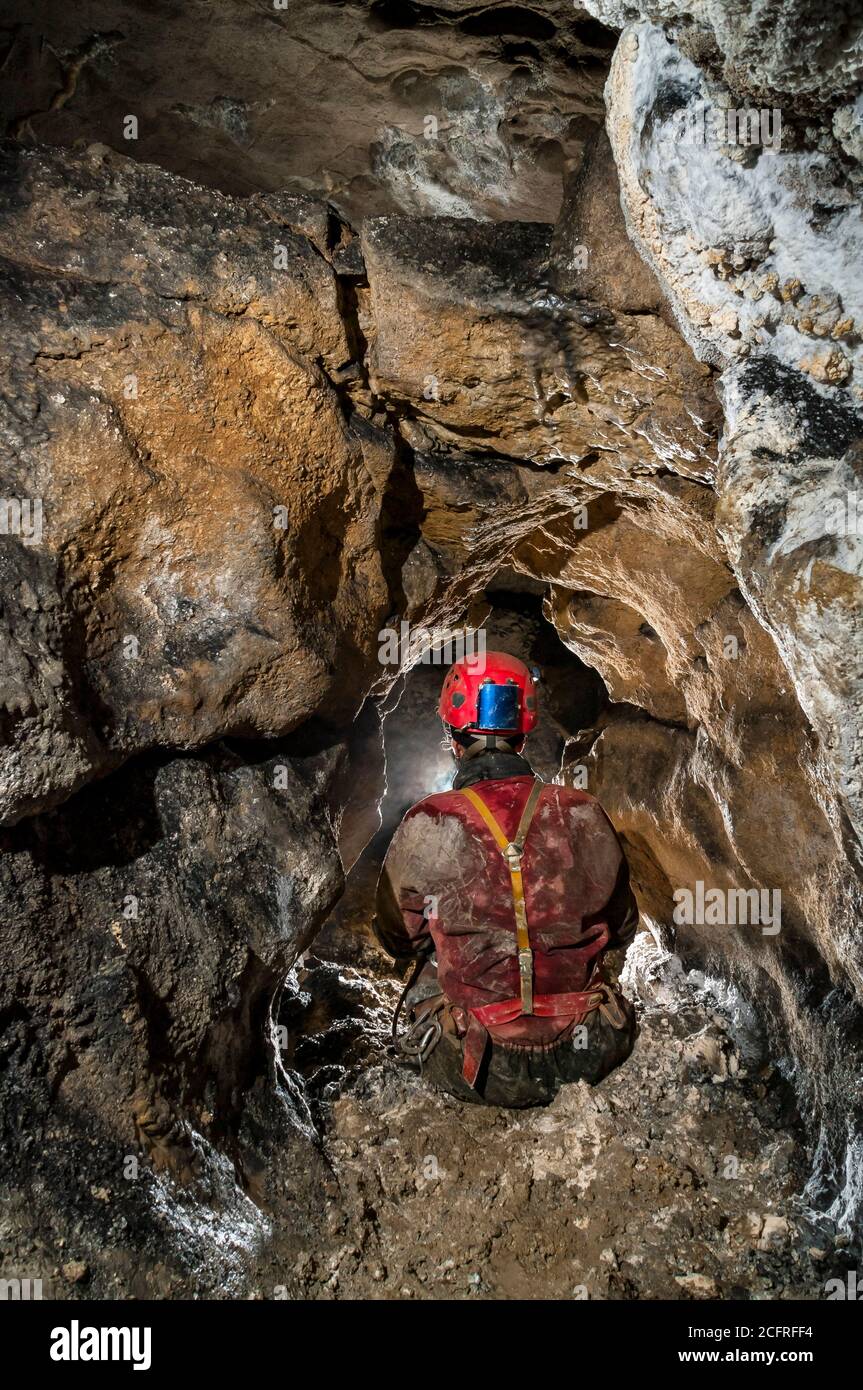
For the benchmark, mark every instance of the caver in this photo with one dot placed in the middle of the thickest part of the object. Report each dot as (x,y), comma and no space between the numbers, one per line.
(508,892)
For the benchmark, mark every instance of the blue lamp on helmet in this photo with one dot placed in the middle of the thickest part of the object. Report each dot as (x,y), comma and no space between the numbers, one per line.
(498,708)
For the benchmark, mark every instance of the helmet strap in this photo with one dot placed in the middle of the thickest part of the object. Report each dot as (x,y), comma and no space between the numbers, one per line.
(486,743)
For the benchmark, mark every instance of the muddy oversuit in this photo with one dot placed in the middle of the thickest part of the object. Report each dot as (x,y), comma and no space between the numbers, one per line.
(446,888)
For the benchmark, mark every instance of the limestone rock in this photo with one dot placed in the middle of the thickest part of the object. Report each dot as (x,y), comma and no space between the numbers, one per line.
(159,911)
(258,435)
(724,220)
(462,322)
(378,105)
(205,560)
(774,49)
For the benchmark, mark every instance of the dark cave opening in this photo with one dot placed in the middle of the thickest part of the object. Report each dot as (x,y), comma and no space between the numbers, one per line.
(512,20)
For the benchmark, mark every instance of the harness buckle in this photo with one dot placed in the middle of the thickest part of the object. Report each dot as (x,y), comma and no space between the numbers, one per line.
(525,970)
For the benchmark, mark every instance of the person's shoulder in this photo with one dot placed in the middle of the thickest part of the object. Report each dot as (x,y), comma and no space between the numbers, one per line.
(426,820)
(570,796)
(580,807)
(434,805)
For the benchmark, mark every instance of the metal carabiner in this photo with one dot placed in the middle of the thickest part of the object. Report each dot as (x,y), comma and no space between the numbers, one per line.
(429,1041)
(420,1040)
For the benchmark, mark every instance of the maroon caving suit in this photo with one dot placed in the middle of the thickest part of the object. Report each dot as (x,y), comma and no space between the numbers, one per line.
(445,882)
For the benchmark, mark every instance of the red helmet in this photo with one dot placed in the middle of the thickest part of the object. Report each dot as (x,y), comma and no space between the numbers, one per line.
(491,693)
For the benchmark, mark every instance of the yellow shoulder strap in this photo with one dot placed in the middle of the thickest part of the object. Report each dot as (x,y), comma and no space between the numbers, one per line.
(487,815)
(512,851)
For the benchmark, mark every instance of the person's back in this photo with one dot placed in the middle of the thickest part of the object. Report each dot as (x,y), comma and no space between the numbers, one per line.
(519,888)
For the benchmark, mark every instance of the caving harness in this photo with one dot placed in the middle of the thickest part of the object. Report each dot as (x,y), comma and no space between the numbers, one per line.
(512,851)
(426,1030)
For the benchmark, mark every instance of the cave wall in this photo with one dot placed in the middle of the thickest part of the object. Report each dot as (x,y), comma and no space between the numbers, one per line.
(206,574)
(757,250)
(462,107)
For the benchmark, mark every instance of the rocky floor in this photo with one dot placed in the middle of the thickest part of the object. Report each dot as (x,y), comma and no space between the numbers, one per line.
(676,1178)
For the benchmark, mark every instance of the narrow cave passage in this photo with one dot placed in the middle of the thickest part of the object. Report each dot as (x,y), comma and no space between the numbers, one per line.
(438,1200)
(417,763)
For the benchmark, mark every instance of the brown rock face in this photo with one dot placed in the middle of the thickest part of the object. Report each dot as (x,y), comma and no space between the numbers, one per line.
(462,323)
(208,553)
(466,107)
(202,558)
(606,268)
